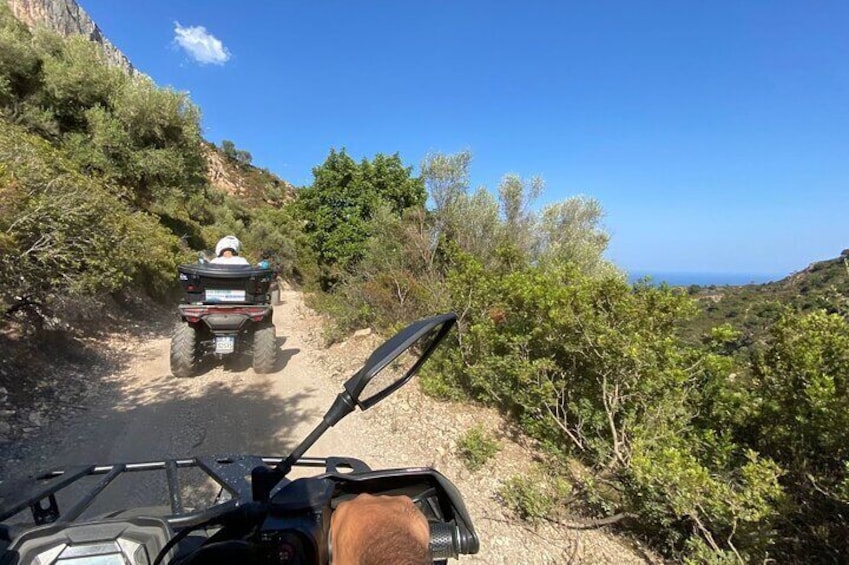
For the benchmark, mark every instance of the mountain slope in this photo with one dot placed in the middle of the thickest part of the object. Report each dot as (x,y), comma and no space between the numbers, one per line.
(244,180)
(752,308)
(67,18)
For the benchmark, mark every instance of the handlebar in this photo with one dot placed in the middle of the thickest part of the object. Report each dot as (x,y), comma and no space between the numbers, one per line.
(444,541)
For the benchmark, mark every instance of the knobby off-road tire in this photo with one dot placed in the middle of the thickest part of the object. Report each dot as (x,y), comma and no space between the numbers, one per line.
(265,349)
(184,350)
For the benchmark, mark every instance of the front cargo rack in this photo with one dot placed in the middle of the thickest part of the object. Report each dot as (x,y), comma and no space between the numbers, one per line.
(230,472)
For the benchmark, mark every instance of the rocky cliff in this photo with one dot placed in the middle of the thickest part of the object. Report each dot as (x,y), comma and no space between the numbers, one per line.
(67,18)
(245,181)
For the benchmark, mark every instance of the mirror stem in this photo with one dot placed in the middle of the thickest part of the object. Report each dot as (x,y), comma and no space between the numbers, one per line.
(263,479)
(285,466)
(342,406)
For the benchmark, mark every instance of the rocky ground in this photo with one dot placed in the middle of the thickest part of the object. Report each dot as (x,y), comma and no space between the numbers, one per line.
(116,400)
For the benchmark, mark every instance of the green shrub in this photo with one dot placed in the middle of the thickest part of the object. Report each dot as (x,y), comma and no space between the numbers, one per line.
(534,497)
(592,368)
(438,377)
(66,235)
(343,199)
(526,498)
(345,315)
(793,406)
(476,447)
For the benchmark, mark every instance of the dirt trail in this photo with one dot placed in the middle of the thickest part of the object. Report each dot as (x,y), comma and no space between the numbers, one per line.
(144,413)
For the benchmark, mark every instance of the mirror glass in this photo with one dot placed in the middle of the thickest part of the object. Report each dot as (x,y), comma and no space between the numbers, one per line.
(397,371)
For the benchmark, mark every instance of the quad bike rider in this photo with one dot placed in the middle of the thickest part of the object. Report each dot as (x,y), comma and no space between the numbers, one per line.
(226,310)
(227,252)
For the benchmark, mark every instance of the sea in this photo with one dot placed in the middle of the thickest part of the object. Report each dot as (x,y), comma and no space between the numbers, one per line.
(704,279)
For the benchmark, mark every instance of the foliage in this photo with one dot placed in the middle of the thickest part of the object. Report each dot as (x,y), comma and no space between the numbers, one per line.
(753,309)
(144,141)
(404,264)
(65,235)
(74,78)
(524,497)
(20,67)
(120,128)
(591,367)
(793,405)
(567,232)
(165,154)
(274,234)
(228,148)
(533,497)
(342,201)
(476,447)
(446,178)
(587,364)
(346,313)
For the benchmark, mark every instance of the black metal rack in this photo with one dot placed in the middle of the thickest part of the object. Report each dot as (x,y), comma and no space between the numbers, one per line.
(230,472)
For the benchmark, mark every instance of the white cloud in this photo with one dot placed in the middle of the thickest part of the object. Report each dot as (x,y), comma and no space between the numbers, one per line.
(201,45)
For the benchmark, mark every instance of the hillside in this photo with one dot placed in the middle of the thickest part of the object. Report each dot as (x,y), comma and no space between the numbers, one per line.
(245,181)
(754,308)
(107,181)
(67,18)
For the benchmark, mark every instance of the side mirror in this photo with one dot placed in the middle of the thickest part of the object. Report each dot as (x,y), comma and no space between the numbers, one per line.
(397,360)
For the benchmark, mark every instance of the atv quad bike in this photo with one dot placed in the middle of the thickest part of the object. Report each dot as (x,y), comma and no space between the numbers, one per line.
(226,310)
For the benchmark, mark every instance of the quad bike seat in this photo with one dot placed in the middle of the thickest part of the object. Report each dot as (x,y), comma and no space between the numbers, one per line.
(211,283)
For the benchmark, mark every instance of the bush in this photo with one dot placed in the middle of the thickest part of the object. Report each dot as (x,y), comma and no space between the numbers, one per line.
(66,235)
(793,406)
(476,447)
(144,141)
(534,497)
(593,369)
(439,376)
(342,201)
(524,496)
(345,315)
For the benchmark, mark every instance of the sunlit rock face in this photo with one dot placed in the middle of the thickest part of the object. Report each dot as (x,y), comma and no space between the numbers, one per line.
(66,17)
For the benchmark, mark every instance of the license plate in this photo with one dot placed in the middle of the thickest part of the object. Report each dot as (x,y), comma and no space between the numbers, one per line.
(218,295)
(225,344)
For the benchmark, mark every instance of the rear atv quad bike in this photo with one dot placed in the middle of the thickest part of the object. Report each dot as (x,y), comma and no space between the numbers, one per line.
(226,311)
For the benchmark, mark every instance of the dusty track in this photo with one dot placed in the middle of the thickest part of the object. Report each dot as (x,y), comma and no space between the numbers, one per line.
(144,413)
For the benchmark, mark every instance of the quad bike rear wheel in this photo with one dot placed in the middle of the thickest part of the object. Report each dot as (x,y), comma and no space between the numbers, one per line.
(265,349)
(184,350)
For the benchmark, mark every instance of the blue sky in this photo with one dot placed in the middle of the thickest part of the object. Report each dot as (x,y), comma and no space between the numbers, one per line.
(715,134)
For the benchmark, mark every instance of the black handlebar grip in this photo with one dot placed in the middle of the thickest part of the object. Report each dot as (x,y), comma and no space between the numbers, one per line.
(444,541)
